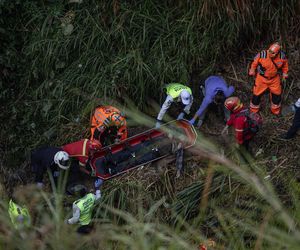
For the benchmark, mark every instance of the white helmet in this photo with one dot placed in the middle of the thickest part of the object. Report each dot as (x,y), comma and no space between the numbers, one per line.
(61,158)
(185,97)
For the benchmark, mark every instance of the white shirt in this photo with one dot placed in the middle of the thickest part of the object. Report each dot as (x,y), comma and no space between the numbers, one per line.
(166,105)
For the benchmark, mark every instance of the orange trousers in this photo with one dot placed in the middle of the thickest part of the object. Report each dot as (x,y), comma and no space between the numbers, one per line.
(262,84)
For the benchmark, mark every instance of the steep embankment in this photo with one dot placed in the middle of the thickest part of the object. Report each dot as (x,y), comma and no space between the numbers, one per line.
(59,59)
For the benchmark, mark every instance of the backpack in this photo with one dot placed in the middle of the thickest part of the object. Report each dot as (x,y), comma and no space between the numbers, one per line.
(254,121)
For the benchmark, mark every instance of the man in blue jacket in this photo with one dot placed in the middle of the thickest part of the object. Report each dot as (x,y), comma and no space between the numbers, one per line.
(215,92)
(48,158)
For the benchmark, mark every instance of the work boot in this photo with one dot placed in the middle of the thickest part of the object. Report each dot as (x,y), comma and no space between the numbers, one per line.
(275,109)
(275,112)
(254,108)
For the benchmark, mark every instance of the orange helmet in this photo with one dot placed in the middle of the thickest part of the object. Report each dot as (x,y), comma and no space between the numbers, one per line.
(275,48)
(233,104)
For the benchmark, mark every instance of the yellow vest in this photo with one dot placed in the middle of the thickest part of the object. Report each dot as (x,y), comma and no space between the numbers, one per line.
(15,212)
(174,89)
(85,205)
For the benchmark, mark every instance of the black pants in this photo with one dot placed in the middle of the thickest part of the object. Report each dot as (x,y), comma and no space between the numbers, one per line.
(246,144)
(276,99)
(295,126)
(86,229)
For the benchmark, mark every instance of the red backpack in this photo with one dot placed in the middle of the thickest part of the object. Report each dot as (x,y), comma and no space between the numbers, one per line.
(254,121)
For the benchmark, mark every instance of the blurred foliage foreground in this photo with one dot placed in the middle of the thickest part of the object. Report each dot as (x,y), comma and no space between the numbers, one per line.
(235,205)
(58,59)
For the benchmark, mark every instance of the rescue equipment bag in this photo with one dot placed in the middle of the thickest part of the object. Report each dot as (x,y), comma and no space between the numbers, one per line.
(254,121)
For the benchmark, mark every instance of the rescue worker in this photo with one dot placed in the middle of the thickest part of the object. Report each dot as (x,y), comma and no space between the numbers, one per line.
(238,120)
(176,92)
(265,68)
(108,125)
(82,151)
(296,122)
(83,209)
(19,215)
(215,92)
(48,158)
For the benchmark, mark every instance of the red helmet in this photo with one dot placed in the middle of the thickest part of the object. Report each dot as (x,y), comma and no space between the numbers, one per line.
(233,104)
(274,48)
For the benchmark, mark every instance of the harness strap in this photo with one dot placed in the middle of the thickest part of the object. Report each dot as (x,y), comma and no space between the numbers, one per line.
(268,78)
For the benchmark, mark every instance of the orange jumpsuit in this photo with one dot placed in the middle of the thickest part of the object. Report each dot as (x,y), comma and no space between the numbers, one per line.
(104,119)
(267,77)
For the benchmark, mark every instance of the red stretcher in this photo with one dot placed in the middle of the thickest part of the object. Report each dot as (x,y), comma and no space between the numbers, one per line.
(141,149)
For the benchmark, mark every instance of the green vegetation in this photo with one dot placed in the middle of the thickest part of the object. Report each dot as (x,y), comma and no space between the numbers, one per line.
(58,59)
(235,205)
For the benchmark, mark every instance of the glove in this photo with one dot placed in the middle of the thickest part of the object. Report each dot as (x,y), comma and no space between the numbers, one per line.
(251,72)
(192,121)
(40,185)
(180,116)
(178,174)
(55,174)
(158,123)
(199,124)
(225,130)
(117,140)
(98,183)
(283,80)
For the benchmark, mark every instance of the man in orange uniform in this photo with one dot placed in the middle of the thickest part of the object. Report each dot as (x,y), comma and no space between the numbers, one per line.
(108,125)
(266,67)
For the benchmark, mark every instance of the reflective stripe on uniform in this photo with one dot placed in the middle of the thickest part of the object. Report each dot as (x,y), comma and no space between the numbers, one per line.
(263,54)
(117,117)
(99,116)
(275,109)
(282,55)
(84,147)
(254,106)
(275,105)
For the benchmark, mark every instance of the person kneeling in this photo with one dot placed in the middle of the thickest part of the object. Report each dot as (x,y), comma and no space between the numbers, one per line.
(83,209)
(246,124)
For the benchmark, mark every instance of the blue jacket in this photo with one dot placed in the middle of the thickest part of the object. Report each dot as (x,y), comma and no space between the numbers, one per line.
(212,85)
(43,159)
